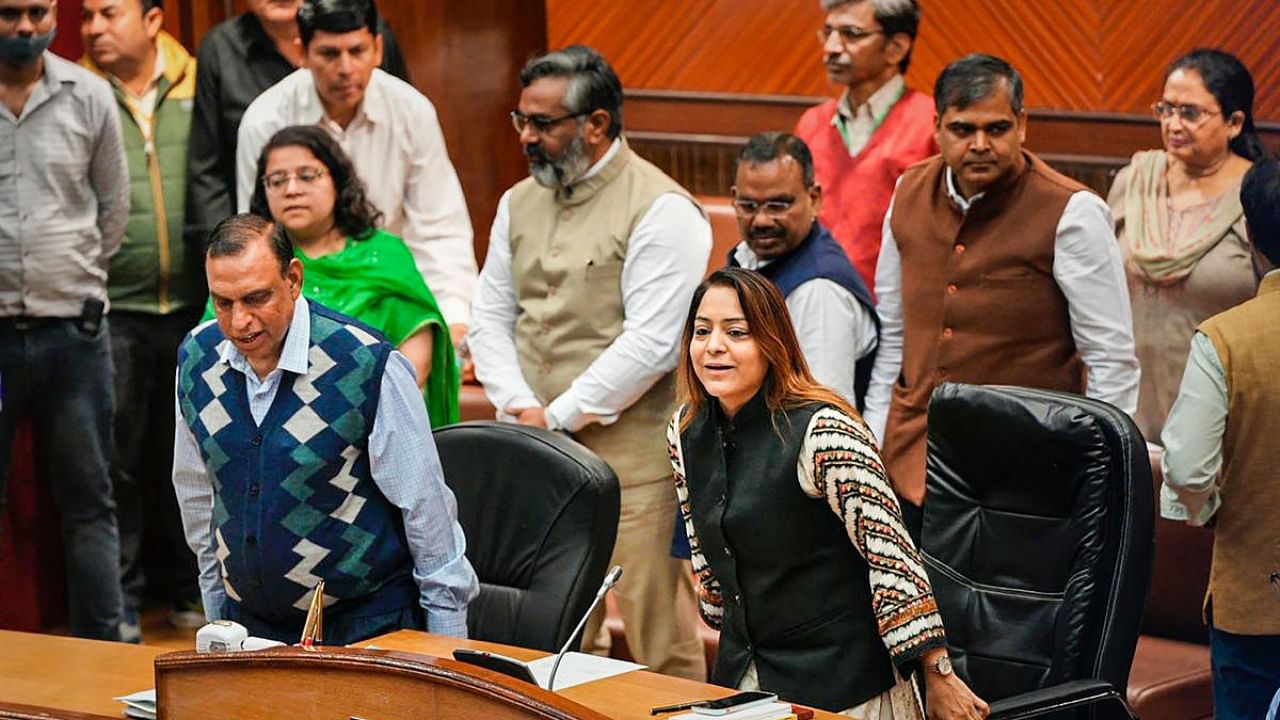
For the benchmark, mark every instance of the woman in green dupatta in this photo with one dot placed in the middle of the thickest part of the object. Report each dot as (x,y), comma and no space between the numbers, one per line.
(307,184)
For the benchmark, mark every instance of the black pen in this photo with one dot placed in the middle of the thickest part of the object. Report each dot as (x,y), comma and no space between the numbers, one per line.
(676,708)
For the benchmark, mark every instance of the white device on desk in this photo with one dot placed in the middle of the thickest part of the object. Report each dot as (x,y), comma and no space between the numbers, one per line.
(228,636)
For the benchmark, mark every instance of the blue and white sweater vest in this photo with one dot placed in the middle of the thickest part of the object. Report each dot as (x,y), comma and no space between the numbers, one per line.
(294,498)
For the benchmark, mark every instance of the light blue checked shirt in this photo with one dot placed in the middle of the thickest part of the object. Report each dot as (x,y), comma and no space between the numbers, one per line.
(405,467)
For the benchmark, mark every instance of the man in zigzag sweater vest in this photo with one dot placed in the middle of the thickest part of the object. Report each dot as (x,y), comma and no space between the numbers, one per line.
(304,453)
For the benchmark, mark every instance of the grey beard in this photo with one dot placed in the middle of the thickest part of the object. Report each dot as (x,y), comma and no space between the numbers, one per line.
(573,163)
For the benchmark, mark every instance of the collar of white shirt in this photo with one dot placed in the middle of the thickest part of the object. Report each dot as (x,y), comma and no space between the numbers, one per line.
(747,257)
(294,354)
(955,195)
(310,109)
(877,105)
(599,164)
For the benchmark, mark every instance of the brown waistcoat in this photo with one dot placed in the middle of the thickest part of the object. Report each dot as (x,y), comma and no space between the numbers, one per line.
(567,251)
(979,301)
(1246,539)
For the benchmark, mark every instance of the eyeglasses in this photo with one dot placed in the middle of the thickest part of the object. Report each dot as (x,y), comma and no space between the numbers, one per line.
(541,123)
(771,208)
(848,33)
(1188,114)
(306,177)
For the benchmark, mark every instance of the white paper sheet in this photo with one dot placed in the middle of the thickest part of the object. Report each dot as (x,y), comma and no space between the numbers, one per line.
(579,668)
(141,704)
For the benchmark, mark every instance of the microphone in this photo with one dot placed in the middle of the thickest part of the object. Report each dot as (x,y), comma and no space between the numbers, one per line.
(610,579)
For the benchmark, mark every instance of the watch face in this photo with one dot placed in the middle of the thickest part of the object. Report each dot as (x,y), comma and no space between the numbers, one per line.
(943,665)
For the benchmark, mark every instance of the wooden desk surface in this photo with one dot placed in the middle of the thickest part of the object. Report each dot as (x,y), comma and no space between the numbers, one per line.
(626,697)
(71,674)
(82,676)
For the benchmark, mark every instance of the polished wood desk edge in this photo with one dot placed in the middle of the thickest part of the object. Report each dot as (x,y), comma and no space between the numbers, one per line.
(15,711)
(472,678)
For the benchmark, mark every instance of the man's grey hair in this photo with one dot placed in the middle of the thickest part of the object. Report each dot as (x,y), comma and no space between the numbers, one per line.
(894,17)
(593,85)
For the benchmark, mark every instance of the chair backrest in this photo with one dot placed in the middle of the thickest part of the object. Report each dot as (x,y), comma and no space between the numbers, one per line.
(540,513)
(1038,531)
(1179,577)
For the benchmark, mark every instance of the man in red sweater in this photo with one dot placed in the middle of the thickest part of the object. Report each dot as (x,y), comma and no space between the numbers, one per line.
(863,140)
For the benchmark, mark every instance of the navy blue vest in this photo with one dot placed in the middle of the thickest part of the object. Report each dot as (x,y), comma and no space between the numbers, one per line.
(294,498)
(819,257)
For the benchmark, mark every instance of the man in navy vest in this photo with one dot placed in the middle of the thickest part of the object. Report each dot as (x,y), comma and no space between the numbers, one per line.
(777,202)
(303,453)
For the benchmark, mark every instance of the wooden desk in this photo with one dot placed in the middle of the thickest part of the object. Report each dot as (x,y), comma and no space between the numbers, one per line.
(76,679)
(625,697)
(76,676)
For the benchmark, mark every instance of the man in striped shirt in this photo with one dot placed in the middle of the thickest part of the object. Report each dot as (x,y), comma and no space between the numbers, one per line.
(63,205)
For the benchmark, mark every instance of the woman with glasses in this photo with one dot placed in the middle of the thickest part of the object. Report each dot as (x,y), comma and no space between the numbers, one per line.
(307,184)
(798,543)
(1179,220)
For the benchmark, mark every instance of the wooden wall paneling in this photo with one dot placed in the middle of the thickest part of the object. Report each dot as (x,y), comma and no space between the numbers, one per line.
(714,45)
(189,20)
(466,56)
(695,137)
(1140,40)
(1081,55)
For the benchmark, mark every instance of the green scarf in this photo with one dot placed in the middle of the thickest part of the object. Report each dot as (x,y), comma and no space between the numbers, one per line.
(374,281)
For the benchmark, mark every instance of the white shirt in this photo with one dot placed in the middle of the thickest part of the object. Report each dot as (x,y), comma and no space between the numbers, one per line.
(398,150)
(666,258)
(834,329)
(1192,438)
(1090,273)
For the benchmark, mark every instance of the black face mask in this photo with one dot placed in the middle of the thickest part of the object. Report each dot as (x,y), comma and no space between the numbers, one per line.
(18,51)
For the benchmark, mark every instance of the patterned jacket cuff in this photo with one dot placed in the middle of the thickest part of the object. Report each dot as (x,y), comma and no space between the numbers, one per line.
(912,629)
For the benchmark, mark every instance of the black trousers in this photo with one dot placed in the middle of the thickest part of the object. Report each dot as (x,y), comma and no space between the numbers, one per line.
(144,348)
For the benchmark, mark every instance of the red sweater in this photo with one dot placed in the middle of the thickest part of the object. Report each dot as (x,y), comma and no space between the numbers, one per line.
(856,190)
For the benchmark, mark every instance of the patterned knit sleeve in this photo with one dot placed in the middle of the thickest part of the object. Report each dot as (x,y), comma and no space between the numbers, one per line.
(839,462)
(710,603)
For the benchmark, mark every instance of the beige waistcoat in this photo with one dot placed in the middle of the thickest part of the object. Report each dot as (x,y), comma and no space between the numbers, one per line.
(1246,541)
(567,251)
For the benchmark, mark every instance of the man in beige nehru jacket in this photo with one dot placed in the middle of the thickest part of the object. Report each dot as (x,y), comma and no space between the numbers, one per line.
(576,324)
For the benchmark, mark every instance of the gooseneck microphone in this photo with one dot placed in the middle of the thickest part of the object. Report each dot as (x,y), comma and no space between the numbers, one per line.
(610,579)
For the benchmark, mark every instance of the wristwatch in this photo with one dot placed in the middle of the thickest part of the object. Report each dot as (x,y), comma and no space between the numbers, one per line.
(941,666)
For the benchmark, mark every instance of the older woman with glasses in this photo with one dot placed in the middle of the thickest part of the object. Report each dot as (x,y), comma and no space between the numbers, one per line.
(307,184)
(1179,220)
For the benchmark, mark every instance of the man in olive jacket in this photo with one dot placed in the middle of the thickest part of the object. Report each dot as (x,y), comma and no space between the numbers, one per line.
(155,282)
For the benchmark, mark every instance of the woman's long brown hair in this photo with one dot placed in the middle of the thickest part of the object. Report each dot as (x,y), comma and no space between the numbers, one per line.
(789,382)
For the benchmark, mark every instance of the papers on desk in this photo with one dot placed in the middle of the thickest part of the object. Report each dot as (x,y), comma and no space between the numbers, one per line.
(772,711)
(140,704)
(579,668)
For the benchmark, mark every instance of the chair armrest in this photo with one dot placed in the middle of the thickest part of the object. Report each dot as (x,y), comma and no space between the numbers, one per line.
(1069,695)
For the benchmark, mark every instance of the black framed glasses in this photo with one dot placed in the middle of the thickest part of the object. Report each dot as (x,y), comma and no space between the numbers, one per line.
(1188,114)
(541,123)
(848,33)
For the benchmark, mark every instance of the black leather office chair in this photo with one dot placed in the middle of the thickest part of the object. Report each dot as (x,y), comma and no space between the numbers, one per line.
(1038,538)
(541,514)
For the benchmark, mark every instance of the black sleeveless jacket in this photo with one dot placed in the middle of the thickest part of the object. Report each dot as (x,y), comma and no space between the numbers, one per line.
(797,595)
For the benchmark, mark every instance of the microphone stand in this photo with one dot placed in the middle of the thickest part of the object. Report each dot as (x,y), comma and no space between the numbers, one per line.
(610,580)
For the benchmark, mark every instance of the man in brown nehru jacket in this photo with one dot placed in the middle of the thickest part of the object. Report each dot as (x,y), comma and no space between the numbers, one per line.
(1220,464)
(994,269)
(576,324)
